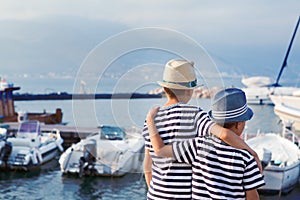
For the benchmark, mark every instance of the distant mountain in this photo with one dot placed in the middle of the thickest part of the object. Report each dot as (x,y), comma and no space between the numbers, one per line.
(56,47)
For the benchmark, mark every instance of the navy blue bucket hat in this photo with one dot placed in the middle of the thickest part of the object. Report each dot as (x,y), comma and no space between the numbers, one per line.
(230,105)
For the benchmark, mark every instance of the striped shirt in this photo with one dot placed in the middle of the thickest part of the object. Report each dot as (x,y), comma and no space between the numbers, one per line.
(219,170)
(178,122)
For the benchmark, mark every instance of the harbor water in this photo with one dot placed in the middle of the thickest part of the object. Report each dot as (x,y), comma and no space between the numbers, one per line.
(49,183)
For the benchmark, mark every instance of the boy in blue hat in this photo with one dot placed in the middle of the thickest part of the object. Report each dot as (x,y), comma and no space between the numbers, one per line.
(219,171)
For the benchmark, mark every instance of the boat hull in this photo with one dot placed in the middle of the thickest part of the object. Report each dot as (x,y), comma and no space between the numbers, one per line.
(280,157)
(95,156)
(288,114)
(287,107)
(14,164)
(286,100)
(131,164)
(261,95)
(280,179)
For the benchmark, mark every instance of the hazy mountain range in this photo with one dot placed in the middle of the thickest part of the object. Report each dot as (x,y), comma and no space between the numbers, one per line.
(56,47)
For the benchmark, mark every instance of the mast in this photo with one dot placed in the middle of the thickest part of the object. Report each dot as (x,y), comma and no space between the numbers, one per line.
(284,64)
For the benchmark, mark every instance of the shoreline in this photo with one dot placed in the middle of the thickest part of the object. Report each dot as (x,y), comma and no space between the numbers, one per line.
(68,96)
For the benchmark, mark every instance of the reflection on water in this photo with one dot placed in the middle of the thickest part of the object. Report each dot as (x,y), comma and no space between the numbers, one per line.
(53,185)
(127,187)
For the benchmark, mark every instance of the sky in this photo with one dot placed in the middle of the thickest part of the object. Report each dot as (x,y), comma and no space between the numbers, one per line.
(49,39)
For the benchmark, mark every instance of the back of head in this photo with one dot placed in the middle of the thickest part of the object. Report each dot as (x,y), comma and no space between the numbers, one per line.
(174,93)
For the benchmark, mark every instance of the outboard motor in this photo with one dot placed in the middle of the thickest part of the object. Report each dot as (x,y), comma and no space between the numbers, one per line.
(5,153)
(87,161)
(267,156)
(288,132)
(6,147)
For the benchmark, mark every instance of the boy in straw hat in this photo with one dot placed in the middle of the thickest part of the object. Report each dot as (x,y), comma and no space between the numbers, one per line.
(177,121)
(220,171)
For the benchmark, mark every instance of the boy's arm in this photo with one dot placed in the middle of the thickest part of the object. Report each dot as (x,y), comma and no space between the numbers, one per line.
(252,195)
(148,167)
(158,145)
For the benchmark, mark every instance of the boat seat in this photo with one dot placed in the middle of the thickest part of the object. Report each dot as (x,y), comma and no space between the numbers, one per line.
(27,142)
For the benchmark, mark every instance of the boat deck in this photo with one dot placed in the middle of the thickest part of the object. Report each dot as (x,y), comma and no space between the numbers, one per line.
(70,134)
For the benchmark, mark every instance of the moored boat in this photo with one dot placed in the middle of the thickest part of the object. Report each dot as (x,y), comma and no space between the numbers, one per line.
(110,152)
(292,100)
(286,113)
(287,107)
(29,148)
(280,159)
(261,95)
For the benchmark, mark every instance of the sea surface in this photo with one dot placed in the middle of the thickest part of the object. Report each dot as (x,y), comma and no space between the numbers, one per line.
(49,183)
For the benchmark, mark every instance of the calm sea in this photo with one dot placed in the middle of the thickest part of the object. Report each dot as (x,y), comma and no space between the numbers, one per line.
(49,183)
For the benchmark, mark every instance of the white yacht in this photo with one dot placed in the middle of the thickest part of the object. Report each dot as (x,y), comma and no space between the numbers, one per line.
(287,107)
(29,148)
(112,151)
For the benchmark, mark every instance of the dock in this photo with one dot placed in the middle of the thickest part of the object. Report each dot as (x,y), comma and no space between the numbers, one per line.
(8,113)
(70,134)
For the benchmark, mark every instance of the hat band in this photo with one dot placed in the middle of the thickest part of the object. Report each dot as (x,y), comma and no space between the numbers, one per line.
(185,84)
(230,113)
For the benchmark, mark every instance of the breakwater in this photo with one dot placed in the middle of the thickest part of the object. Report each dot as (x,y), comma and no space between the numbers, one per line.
(68,96)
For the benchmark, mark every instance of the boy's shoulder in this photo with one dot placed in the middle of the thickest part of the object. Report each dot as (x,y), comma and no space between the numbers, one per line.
(219,144)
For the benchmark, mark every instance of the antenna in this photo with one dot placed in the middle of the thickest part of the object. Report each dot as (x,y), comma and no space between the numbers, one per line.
(284,64)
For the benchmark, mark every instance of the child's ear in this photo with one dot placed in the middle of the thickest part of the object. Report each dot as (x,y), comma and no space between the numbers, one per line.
(237,124)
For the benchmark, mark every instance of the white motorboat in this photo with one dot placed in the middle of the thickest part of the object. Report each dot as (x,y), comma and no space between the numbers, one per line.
(29,148)
(280,159)
(261,95)
(259,88)
(110,152)
(286,113)
(292,100)
(287,107)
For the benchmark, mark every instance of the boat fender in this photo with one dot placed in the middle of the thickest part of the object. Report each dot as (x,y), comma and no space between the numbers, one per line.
(39,155)
(34,158)
(58,144)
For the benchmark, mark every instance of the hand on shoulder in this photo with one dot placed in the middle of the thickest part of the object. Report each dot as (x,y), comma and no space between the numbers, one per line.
(151,114)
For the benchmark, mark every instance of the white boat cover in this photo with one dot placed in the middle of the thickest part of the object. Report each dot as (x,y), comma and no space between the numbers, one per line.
(257,81)
(283,150)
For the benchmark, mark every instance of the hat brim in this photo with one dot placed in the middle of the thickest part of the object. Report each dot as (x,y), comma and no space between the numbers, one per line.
(245,117)
(176,86)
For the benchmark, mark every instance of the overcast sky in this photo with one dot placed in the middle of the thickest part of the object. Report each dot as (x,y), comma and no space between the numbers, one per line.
(54,36)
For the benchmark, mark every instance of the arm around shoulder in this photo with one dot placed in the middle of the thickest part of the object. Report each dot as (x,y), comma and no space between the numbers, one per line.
(147,167)
(157,143)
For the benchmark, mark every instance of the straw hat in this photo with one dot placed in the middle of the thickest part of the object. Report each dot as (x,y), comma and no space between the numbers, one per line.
(230,105)
(179,74)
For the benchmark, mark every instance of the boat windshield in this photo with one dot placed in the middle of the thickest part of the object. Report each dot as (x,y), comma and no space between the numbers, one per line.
(29,129)
(112,133)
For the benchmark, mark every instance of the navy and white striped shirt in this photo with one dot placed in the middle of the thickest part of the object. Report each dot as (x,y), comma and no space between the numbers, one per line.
(219,170)
(179,122)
